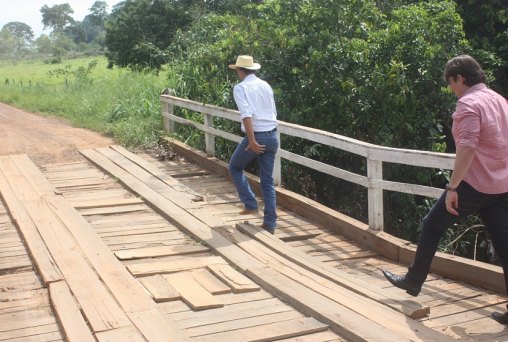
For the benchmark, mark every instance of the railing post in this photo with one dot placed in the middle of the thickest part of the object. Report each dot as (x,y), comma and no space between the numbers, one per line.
(277,166)
(375,196)
(169,126)
(209,137)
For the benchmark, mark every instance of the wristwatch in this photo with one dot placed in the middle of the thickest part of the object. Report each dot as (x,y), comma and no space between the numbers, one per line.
(449,188)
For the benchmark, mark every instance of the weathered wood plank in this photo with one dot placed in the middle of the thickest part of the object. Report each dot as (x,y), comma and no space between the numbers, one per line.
(160,289)
(411,309)
(269,332)
(211,283)
(192,293)
(168,266)
(68,313)
(234,279)
(152,252)
(42,258)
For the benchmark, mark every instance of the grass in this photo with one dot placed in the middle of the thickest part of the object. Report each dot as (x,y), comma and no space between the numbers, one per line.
(119,103)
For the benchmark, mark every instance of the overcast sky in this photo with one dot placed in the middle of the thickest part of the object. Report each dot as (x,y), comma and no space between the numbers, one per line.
(28,11)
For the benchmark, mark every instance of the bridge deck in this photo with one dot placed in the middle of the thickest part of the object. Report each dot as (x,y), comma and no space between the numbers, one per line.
(122,247)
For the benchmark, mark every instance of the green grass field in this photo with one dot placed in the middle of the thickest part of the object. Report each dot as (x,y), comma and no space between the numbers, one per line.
(116,102)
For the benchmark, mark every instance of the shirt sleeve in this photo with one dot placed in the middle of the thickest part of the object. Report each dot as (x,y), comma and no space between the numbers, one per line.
(467,122)
(241,102)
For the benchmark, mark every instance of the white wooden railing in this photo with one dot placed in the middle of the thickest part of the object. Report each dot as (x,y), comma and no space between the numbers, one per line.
(374,154)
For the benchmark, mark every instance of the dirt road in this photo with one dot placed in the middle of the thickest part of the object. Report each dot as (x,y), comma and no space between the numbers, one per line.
(46,140)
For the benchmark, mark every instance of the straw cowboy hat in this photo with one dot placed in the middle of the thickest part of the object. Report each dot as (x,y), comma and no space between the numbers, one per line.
(245,62)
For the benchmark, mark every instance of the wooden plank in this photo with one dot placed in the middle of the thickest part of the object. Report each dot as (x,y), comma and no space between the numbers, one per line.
(68,313)
(26,319)
(172,182)
(173,212)
(408,307)
(270,332)
(211,283)
(234,279)
(113,210)
(160,289)
(366,307)
(129,293)
(192,293)
(93,204)
(138,306)
(149,179)
(10,305)
(259,317)
(38,333)
(167,266)
(101,310)
(152,252)
(42,258)
(324,336)
(121,334)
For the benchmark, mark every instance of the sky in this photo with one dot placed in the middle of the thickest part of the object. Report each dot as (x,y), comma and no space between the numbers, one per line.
(28,11)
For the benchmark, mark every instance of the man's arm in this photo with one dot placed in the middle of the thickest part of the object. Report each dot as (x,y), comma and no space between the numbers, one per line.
(463,159)
(249,132)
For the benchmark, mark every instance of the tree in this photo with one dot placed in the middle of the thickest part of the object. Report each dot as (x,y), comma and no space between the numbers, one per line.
(486,27)
(139,31)
(344,67)
(17,37)
(98,14)
(57,16)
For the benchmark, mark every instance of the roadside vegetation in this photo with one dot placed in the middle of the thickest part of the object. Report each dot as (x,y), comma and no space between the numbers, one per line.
(366,69)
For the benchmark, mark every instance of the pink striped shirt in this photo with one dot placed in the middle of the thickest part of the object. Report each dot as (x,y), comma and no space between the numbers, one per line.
(481,121)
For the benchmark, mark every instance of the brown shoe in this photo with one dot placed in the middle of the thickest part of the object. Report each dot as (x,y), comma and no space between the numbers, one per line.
(248,211)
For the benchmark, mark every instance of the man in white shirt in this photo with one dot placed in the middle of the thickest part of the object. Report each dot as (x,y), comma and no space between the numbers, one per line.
(255,101)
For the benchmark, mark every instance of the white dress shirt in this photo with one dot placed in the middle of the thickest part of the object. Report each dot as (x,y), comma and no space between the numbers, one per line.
(254,98)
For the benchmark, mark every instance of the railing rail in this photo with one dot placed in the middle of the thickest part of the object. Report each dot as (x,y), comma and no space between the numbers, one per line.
(375,155)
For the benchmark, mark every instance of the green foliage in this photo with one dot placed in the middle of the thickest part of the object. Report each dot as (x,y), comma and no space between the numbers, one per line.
(344,67)
(139,31)
(57,16)
(486,28)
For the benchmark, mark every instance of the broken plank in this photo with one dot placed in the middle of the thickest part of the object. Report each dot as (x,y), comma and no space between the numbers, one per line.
(160,289)
(196,296)
(151,252)
(210,282)
(234,279)
(153,267)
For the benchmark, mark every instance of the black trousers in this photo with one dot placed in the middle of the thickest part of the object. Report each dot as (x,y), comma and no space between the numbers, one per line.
(493,210)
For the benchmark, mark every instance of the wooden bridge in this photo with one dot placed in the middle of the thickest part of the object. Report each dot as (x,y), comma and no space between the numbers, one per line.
(125,247)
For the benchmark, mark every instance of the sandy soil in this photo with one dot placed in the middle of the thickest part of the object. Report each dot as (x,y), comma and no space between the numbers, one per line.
(46,140)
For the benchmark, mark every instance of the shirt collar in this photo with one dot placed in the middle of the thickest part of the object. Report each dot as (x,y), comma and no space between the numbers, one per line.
(250,77)
(477,86)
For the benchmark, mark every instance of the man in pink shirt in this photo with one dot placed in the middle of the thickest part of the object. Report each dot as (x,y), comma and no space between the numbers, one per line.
(479,181)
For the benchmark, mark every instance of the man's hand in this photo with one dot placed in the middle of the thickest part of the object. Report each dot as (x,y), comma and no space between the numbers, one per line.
(255,147)
(452,202)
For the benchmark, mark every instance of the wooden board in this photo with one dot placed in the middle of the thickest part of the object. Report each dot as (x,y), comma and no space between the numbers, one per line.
(192,292)
(234,279)
(68,313)
(160,289)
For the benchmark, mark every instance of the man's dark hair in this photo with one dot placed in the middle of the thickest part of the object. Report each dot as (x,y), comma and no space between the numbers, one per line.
(247,71)
(467,67)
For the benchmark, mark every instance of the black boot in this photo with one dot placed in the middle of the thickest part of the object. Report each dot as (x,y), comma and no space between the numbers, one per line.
(402,283)
(501,317)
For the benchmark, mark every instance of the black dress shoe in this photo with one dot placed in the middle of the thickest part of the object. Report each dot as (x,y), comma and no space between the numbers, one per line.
(501,317)
(402,283)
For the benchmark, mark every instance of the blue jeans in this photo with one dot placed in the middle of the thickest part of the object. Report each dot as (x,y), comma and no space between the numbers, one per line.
(241,158)
(493,210)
